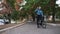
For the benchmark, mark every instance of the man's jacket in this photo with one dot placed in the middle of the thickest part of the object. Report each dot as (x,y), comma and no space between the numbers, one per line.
(39,12)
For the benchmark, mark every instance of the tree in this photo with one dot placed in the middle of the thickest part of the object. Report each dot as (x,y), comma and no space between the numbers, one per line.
(8,5)
(31,5)
(52,4)
(28,9)
(15,15)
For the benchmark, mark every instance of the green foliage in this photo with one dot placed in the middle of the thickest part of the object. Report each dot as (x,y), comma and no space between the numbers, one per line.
(44,2)
(32,3)
(30,7)
(11,3)
(23,14)
(29,4)
(58,11)
(15,15)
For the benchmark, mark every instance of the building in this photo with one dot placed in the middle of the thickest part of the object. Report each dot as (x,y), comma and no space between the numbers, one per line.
(2,6)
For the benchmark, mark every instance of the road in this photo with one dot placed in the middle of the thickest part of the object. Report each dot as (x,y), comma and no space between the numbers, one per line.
(31,28)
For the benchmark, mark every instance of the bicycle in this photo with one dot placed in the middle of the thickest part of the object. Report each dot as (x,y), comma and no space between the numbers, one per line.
(43,24)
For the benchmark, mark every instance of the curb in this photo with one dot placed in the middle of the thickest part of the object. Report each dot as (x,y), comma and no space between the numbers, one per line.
(13,27)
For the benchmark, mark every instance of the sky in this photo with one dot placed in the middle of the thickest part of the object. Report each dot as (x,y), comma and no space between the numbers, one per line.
(58,2)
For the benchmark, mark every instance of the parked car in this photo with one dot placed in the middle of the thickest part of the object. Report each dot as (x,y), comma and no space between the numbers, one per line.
(4,21)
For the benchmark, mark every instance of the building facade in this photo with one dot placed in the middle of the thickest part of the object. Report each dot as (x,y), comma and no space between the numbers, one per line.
(2,6)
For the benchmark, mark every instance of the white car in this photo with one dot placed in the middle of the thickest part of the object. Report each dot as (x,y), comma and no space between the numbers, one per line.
(3,21)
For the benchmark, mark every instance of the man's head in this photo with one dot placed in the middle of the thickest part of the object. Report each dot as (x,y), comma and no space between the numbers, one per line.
(39,7)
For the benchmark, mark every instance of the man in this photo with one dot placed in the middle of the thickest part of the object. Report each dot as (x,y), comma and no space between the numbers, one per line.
(39,13)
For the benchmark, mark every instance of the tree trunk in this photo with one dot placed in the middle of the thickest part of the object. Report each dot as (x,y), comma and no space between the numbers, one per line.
(52,4)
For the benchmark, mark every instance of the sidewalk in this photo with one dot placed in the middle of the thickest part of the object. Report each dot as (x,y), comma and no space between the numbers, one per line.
(10,26)
(6,26)
(49,23)
(53,24)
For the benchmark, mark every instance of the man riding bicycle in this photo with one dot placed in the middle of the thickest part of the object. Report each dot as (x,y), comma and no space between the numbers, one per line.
(40,17)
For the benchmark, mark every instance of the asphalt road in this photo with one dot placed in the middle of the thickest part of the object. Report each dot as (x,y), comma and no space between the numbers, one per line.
(31,28)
